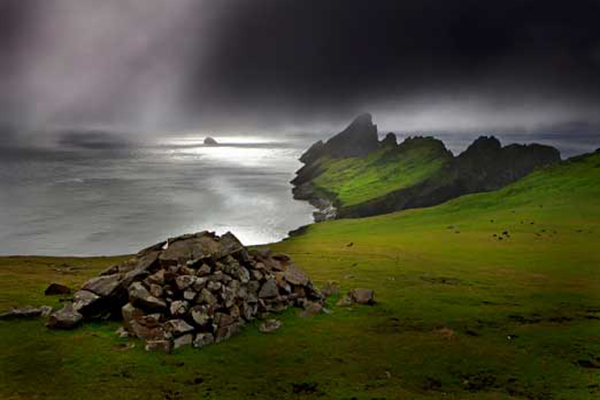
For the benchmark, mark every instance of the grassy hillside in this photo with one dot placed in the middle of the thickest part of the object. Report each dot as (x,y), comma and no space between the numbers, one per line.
(354,180)
(461,313)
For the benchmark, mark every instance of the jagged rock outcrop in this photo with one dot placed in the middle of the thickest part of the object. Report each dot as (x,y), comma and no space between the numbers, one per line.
(192,289)
(358,139)
(390,141)
(485,165)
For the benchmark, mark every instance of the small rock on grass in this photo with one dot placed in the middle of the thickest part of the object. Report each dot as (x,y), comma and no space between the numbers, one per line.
(311,309)
(159,345)
(270,325)
(357,296)
(331,288)
(56,289)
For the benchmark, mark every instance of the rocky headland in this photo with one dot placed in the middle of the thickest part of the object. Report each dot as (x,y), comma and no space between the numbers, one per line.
(485,165)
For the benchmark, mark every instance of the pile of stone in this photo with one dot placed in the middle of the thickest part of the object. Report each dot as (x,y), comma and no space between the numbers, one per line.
(193,289)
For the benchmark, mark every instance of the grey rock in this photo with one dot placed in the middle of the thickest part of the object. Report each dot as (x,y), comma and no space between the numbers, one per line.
(330,289)
(65,318)
(178,327)
(122,333)
(157,278)
(268,289)
(214,286)
(227,331)
(57,289)
(178,308)
(362,296)
(104,286)
(208,141)
(270,325)
(164,345)
(189,295)
(204,270)
(229,245)
(23,313)
(222,319)
(185,340)
(202,315)
(203,339)
(295,276)
(311,309)
(86,303)
(206,297)
(199,284)
(184,281)
(139,296)
(156,290)
(130,313)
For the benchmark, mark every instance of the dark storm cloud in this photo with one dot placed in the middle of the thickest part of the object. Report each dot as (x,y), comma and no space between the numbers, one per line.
(156,64)
(351,54)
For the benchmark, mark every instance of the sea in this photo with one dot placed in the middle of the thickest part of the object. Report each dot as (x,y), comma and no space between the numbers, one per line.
(88,195)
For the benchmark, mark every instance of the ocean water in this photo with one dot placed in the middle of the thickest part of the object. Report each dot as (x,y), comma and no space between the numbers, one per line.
(83,196)
(102,199)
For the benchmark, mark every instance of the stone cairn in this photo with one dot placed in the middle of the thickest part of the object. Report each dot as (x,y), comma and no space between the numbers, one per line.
(194,289)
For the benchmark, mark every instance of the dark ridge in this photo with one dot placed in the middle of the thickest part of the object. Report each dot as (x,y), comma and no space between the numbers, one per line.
(485,165)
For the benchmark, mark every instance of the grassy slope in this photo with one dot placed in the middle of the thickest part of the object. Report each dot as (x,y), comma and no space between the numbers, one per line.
(461,314)
(355,180)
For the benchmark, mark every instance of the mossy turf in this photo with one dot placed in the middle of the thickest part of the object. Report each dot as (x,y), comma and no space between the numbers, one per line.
(355,180)
(461,313)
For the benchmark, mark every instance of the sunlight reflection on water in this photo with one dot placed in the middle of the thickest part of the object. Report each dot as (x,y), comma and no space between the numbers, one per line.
(99,202)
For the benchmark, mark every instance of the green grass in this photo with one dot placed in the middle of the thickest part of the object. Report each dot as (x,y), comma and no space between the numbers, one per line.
(355,180)
(460,314)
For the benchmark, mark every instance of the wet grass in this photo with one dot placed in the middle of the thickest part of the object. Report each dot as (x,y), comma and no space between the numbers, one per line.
(489,296)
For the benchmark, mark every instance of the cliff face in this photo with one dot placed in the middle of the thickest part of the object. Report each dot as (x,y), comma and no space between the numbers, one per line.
(355,175)
(486,165)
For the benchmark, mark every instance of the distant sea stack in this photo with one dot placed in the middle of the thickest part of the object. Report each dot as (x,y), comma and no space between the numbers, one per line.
(210,141)
(353,174)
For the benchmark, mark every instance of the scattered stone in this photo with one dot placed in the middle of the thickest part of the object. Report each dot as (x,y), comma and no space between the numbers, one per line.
(311,309)
(122,333)
(57,289)
(345,301)
(270,325)
(159,345)
(26,312)
(362,296)
(65,318)
(331,288)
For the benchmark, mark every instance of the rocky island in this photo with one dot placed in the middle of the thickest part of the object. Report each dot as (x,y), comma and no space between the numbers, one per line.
(209,141)
(353,174)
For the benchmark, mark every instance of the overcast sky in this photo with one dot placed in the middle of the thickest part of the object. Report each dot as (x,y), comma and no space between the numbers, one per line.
(155,65)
